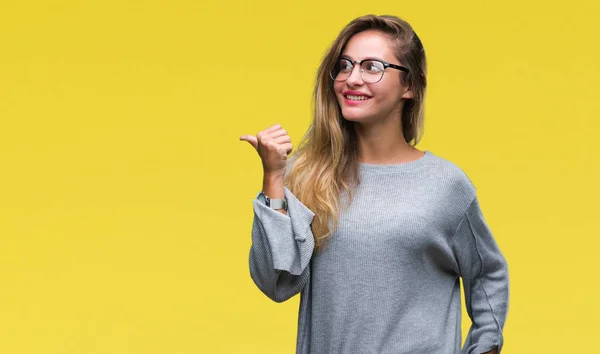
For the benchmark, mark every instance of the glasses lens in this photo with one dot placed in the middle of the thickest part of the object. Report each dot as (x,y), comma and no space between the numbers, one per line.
(372,70)
(342,70)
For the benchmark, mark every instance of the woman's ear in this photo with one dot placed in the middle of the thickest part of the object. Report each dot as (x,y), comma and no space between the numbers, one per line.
(408,94)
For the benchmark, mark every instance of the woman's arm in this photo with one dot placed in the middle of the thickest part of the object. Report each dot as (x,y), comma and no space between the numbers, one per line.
(282,246)
(282,242)
(484,272)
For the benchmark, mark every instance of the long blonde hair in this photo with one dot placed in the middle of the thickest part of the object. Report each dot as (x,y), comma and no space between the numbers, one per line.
(325,165)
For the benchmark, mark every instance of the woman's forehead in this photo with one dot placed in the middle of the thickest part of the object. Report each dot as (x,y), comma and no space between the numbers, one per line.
(369,44)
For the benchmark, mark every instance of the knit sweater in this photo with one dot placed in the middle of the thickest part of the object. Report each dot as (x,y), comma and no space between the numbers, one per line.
(388,281)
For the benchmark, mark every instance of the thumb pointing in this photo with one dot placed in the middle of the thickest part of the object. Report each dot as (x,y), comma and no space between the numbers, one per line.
(251,139)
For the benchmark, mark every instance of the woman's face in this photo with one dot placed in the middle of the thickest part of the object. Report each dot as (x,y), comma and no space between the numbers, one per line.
(384,99)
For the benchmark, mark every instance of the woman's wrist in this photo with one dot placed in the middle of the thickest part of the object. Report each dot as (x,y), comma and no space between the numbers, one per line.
(273,185)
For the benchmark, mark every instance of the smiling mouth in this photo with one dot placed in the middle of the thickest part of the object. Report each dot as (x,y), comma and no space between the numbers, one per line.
(356,98)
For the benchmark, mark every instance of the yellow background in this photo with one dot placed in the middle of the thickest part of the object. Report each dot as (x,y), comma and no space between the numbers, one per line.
(125,194)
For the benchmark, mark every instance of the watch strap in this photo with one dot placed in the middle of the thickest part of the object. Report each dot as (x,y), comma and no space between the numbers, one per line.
(277,204)
(273,203)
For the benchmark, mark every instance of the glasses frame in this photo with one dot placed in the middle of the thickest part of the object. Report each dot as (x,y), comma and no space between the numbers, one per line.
(354,62)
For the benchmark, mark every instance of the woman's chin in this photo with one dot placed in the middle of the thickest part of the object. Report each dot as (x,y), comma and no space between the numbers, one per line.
(354,116)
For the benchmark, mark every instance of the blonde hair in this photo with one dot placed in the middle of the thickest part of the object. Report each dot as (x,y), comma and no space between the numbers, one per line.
(325,165)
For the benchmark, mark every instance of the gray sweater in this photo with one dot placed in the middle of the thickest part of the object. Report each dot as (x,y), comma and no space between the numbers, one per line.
(389,279)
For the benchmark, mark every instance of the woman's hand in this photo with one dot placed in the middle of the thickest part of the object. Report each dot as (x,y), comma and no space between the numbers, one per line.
(273,146)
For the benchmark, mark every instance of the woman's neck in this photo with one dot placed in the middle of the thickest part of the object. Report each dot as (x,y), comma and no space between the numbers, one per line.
(382,143)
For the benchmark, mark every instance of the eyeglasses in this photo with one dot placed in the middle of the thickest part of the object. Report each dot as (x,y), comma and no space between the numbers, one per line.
(371,70)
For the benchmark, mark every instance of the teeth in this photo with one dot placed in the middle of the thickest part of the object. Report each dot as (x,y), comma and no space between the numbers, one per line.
(357,98)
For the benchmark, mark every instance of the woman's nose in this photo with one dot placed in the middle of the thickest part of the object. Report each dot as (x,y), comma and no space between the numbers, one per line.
(355,79)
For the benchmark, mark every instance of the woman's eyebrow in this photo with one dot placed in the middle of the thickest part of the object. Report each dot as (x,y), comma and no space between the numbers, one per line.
(366,58)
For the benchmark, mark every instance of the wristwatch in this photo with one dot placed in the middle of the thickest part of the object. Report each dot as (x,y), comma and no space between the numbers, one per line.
(272,203)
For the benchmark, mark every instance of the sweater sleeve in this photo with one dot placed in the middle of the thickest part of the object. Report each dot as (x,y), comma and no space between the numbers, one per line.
(282,246)
(484,272)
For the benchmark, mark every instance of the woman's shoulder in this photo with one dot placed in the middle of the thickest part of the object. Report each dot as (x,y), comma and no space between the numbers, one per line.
(450,175)
(446,165)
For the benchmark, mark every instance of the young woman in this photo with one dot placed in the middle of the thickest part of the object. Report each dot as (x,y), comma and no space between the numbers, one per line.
(374,233)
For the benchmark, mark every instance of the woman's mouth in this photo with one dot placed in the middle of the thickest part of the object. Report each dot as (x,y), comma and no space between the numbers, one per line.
(353,100)
(356,98)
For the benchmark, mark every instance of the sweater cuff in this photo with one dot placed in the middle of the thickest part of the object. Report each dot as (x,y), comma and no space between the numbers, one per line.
(290,236)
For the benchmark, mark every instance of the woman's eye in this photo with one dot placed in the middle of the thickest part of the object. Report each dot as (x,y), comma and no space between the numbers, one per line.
(373,66)
(345,65)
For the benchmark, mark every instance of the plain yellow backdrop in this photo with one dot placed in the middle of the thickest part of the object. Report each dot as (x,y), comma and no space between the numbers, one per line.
(125,194)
